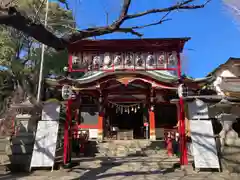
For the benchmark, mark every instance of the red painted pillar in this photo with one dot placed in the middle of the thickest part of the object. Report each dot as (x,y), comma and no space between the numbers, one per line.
(169,143)
(100,118)
(152,123)
(66,148)
(100,125)
(183,144)
(182,133)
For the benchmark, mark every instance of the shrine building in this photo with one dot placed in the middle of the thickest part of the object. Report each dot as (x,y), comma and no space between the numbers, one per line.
(126,84)
(122,89)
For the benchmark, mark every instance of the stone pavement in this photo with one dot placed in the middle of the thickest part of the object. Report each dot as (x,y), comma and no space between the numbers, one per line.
(126,169)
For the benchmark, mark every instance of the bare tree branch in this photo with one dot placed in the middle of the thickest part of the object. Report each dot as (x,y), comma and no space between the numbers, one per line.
(163,19)
(11,16)
(152,24)
(17,20)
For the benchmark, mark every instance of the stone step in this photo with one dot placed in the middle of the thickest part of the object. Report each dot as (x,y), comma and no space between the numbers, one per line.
(156,163)
(134,144)
(130,148)
(133,153)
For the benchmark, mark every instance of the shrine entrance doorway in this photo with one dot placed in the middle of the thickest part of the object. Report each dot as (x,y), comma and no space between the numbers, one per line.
(125,125)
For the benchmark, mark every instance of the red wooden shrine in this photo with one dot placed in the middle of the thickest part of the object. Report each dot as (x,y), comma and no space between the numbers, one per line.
(137,72)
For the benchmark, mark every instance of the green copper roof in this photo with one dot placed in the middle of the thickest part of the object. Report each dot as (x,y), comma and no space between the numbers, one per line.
(159,75)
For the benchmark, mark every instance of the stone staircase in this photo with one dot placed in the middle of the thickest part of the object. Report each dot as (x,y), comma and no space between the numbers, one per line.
(142,153)
(129,148)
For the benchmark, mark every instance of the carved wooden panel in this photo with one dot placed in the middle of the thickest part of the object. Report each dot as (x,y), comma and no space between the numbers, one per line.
(87,61)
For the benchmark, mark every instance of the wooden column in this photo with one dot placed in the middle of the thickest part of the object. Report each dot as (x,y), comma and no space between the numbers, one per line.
(152,123)
(152,115)
(100,119)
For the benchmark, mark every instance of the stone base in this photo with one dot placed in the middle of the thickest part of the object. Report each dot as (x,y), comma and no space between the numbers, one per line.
(152,134)
(152,137)
(100,136)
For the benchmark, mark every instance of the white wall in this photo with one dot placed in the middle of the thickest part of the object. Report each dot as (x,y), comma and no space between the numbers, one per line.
(226,71)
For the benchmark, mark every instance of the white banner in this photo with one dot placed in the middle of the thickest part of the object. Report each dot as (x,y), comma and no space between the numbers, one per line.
(46,136)
(45,144)
(204,144)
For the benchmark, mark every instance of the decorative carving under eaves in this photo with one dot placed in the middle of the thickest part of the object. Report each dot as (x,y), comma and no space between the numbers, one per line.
(123,60)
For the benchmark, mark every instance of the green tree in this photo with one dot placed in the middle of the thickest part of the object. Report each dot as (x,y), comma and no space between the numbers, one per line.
(21,54)
(51,66)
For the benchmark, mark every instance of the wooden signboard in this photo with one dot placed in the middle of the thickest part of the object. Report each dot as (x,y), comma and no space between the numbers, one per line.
(203,141)
(204,144)
(46,137)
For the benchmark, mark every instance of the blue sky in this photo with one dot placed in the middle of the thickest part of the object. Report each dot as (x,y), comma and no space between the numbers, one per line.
(215,36)
(2,68)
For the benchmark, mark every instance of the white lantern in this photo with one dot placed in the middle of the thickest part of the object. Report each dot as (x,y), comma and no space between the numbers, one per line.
(161,59)
(128,59)
(96,61)
(121,109)
(107,59)
(117,60)
(180,90)
(135,110)
(150,60)
(67,92)
(152,108)
(65,69)
(139,61)
(74,59)
(172,60)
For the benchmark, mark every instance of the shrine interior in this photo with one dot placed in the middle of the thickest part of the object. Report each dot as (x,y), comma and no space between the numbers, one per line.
(127,121)
(165,115)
